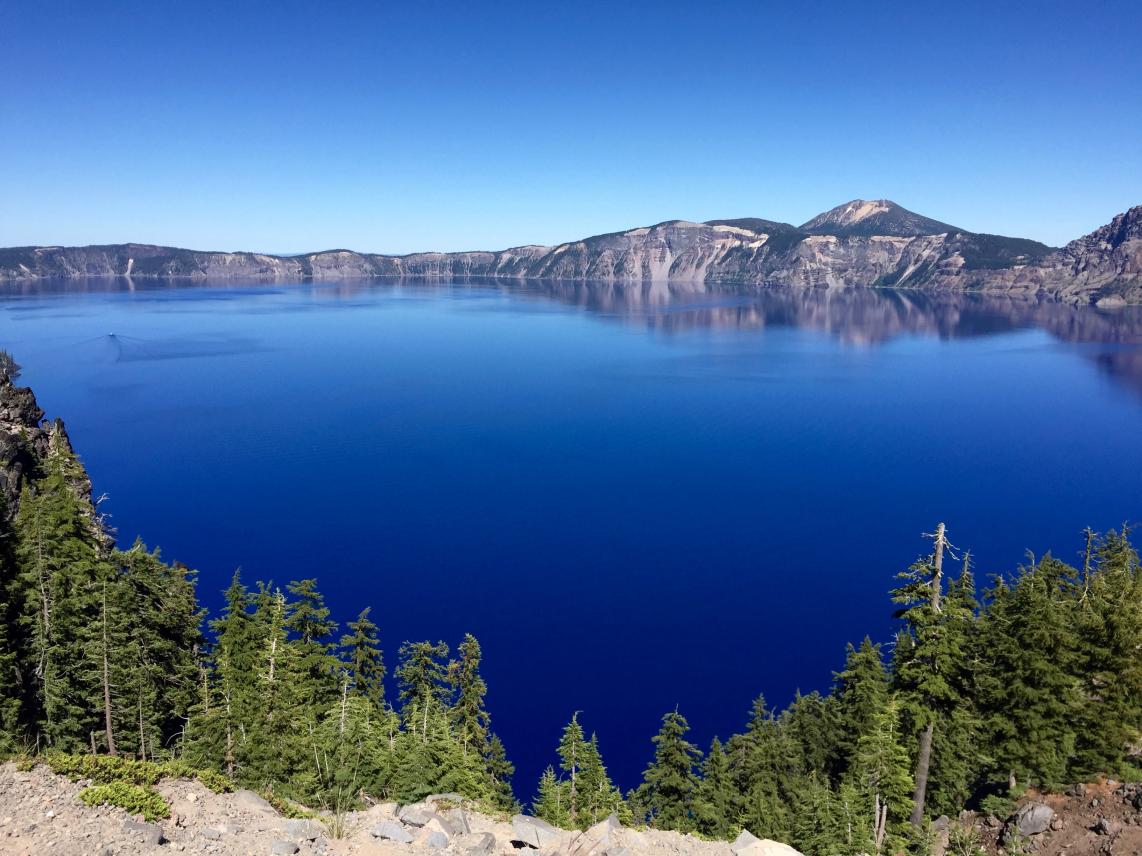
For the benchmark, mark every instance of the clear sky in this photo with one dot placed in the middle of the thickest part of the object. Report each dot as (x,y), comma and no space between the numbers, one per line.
(394,127)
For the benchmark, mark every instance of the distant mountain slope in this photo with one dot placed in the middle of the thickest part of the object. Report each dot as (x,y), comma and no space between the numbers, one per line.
(862,243)
(874,217)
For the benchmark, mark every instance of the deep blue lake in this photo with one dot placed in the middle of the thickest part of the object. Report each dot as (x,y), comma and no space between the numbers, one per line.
(632,503)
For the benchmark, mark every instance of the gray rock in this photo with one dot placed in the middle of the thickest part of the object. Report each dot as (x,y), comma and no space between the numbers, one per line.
(534,832)
(302,830)
(390,830)
(416,814)
(435,839)
(1107,827)
(1033,819)
(456,819)
(210,834)
(480,844)
(250,801)
(152,833)
(749,844)
(283,848)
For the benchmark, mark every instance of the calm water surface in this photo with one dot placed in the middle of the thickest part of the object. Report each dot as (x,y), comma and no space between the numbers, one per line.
(632,504)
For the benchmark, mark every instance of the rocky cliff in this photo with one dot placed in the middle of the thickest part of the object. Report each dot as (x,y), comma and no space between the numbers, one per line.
(862,243)
(27,442)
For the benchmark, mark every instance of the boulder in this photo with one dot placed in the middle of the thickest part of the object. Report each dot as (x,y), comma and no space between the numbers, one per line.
(416,814)
(390,830)
(151,833)
(534,832)
(480,844)
(283,848)
(748,844)
(456,819)
(599,838)
(210,834)
(1031,819)
(432,836)
(302,830)
(250,801)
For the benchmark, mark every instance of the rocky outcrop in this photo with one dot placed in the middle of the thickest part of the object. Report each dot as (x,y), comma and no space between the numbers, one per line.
(27,441)
(862,243)
(41,812)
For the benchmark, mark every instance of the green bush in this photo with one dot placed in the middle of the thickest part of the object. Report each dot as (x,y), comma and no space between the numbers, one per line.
(106,769)
(133,799)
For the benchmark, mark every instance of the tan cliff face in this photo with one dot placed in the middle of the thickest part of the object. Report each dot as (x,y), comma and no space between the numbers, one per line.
(861,244)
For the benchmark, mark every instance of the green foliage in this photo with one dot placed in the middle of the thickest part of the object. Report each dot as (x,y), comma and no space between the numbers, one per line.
(134,799)
(669,784)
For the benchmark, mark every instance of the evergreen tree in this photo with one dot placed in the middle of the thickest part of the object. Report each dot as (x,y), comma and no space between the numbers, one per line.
(598,797)
(880,771)
(500,772)
(669,783)
(1109,620)
(469,716)
(573,750)
(552,801)
(861,691)
(715,800)
(61,570)
(759,766)
(928,677)
(365,660)
(423,679)
(1027,685)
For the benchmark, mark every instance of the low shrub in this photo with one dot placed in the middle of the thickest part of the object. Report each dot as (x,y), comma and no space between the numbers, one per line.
(134,799)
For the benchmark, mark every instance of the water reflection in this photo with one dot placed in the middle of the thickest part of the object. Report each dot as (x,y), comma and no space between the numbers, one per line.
(1112,338)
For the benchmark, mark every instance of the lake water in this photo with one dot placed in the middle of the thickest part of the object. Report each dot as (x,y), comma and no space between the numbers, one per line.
(633,504)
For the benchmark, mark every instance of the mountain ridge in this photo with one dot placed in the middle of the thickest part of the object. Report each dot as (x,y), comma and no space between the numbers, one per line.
(862,243)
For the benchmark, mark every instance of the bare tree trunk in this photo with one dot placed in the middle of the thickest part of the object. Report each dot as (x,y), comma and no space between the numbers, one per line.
(229,740)
(344,704)
(924,756)
(142,733)
(923,760)
(107,682)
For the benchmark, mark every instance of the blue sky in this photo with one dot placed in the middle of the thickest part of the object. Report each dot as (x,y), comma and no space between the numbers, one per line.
(398,127)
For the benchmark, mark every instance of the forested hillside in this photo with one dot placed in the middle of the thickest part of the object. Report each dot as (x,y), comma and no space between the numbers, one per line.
(1033,678)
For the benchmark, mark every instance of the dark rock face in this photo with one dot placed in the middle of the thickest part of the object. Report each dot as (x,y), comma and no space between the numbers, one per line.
(863,243)
(26,443)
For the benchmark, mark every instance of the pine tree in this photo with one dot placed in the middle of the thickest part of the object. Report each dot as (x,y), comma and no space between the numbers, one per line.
(715,799)
(551,801)
(366,664)
(572,750)
(59,554)
(500,772)
(880,771)
(598,797)
(928,677)
(423,680)
(1109,661)
(669,783)
(759,766)
(469,716)
(861,691)
(1027,684)
(307,620)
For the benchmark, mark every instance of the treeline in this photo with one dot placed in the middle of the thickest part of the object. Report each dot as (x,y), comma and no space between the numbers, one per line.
(1039,683)
(103,651)
(1035,681)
